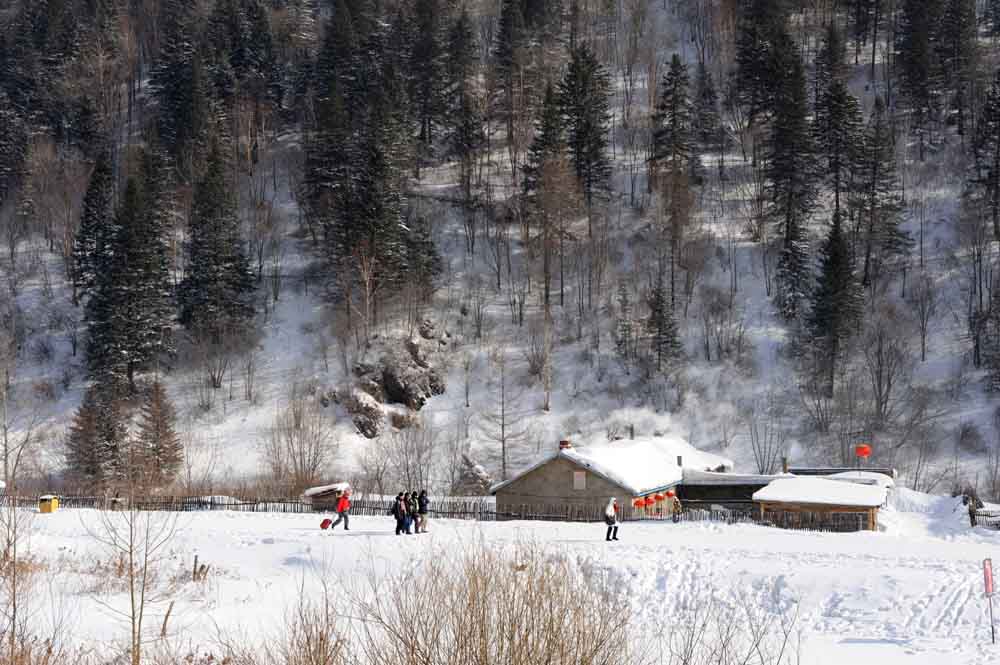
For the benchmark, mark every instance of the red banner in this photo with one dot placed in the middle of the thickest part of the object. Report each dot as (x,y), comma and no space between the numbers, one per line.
(988,576)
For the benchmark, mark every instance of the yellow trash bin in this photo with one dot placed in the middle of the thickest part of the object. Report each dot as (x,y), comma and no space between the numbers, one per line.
(47,504)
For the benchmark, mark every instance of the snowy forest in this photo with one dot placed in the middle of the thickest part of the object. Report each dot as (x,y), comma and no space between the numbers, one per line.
(272,243)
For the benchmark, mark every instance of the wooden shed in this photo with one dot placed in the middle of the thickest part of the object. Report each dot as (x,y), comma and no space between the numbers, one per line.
(821,503)
(586,478)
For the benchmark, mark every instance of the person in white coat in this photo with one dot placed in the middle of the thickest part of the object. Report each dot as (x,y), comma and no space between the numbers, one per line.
(611,519)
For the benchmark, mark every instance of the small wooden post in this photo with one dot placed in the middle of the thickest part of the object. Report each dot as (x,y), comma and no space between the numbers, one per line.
(784,465)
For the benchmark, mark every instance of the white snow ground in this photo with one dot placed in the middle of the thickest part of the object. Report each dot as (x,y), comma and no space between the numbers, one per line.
(910,594)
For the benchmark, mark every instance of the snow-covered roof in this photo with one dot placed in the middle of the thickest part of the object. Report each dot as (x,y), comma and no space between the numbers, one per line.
(326,489)
(697,477)
(821,491)
(865,478)
(640,466)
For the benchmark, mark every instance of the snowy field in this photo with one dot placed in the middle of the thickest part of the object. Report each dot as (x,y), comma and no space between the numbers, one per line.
(911,593)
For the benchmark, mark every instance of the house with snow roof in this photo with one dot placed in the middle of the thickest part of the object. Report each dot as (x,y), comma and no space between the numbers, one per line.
(590,476)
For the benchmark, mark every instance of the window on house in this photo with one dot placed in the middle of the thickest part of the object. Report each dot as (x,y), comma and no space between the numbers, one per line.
(579,480)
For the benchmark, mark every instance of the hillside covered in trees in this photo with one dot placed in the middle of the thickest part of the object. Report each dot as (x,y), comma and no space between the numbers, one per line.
(416,242)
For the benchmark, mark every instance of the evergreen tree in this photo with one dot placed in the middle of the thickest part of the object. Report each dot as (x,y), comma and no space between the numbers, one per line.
(130,314)
(462,120)
(158,448)
(179,83)
(706,123)
(758,42)
(583,97)
(673,121)
(918,64)
(957,51)
(836,304)
(664,341)
(829,63)
(838,137)
(624,331)
(427,75)
(791,174)
(97,440)
(13,146)
(94,240)
(216,294)
(880,202)
(548,143)
(985,176)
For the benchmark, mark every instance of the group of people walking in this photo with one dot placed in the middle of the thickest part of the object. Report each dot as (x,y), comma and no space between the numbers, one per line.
(410,510)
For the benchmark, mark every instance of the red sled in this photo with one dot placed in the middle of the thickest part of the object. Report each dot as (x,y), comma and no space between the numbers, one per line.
(325,524)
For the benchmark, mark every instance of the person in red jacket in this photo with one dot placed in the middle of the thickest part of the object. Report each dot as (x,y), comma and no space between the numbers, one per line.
(343,508)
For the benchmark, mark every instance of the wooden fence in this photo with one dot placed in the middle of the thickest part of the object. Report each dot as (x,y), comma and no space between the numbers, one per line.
(987,518)
(480,510)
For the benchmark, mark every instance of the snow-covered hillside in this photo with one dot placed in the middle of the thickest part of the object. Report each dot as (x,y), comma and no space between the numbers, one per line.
(910,594)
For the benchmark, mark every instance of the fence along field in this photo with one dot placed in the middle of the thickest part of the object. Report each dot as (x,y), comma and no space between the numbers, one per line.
(480,509)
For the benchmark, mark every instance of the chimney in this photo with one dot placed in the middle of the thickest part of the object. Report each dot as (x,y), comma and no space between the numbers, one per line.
(680,461)
(784,465)
(565,444)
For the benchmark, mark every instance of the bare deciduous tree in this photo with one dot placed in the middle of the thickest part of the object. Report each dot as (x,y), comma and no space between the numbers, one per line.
(300,444)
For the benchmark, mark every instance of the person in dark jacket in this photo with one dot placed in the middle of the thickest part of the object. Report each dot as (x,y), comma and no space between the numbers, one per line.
(413,506)
(399,512)
(343,508)
(611,519)
(423,503)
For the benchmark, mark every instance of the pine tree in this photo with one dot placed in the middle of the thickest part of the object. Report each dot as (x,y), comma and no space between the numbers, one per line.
(548,143)
(462,119)
(829,63)
(957,51)
(427,70)
(624,332)
(836,303)
(706,123)
(216,293)
(158,447)
(985,176)
(791,174)
(673,122)
(181,87)
(131,313)
(919,66)
(13,145)
(97,441)
(880,202)
(664,341)
(583,97)
(838,137)
(758,43)
(95,237)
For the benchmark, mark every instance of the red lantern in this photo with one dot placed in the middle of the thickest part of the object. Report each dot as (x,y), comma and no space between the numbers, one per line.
(863,450)
(649,501)
(659,497)
(671,494)
(638,503)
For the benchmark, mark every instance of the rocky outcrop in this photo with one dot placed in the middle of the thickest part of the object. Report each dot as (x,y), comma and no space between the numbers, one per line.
(404,376)
(473,480)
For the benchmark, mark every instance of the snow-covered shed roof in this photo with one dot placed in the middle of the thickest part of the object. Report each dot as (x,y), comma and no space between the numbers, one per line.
(698,477)
(865,478)
(821,491)
(326,489)
(639,466)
